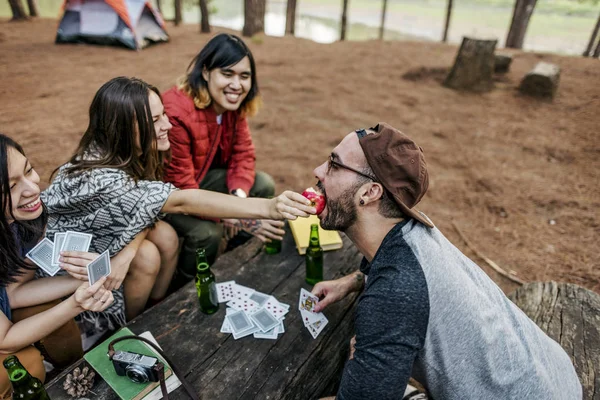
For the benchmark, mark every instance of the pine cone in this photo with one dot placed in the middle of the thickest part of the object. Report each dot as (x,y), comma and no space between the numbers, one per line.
(78,383)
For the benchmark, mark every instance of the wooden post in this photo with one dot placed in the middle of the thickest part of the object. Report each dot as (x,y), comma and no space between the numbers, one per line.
(344,19)
(520,20)
(447,26)
(178,15)
(254,17)
(590,45)
(18,12)
(33,9)
(474,66)
(204,22)
(290,18)
(382,26)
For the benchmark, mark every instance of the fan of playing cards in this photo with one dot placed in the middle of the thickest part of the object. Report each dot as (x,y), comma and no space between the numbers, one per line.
(46,254)
(250,312)
(314,322)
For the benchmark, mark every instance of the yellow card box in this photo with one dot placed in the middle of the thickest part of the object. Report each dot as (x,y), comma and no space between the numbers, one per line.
(330,240)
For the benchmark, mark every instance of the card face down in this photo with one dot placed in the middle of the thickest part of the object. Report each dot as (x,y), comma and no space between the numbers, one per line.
(98,268)
(59,239)
(76,241)
(41,255)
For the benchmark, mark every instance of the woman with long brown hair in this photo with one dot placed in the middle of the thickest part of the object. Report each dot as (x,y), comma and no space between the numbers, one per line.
(110,188)
(22,223)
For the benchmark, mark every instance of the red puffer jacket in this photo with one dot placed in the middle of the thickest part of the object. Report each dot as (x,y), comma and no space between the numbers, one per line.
(196,138)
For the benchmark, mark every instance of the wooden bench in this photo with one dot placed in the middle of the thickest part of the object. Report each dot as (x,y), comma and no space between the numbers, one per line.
(295,366)
(570,315)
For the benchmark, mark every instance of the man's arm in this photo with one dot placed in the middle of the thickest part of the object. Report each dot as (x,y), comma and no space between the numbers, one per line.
(391,325)
(331,291)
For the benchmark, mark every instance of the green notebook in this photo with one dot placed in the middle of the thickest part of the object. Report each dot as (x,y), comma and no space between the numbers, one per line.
(125,388)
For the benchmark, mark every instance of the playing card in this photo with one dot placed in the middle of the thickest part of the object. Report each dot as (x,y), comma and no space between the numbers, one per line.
(242,292)
(280,328)
(272,334)
(275,308)
(307,300)
(76,241)
(41,255)
(226,328)
(248,332)
(259,297)
(310,317)
(317,327)
(243,305)
(59,239)
(239,322)
(225,291)
(264,320)
(99,267)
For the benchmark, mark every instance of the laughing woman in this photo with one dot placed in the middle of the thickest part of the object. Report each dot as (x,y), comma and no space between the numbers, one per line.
(22,223)
(111,188)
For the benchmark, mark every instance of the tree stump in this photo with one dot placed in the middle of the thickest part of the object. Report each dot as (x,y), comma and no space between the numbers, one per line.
(570,315)
(474,66)
(541,81)
(502,63)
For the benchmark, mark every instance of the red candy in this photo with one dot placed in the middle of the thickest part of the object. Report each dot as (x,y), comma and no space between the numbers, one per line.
(316,199)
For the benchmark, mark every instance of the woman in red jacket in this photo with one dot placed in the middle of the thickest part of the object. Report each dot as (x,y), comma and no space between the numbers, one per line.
(211,146)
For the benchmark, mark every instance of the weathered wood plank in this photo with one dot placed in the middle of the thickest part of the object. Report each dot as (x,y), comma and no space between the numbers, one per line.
(570,315)
(294,366)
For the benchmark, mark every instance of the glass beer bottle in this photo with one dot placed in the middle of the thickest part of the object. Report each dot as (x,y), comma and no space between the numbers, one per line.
(205,284)
(314,257)
(274,246)
(25,386)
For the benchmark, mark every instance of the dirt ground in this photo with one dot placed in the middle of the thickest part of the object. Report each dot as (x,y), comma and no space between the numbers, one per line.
(518,176)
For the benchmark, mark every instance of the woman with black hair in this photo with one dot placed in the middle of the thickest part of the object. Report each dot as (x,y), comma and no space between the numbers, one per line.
(111,188)
(22,223)
(211,144)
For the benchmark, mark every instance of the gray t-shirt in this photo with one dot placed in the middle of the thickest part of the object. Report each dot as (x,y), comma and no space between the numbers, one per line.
(429,312)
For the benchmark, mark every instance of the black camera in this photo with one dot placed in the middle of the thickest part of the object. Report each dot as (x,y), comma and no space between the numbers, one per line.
(137,367)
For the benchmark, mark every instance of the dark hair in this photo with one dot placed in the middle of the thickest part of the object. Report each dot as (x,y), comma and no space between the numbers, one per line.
(388,207)
(14,235)
(119,115)
(221,51)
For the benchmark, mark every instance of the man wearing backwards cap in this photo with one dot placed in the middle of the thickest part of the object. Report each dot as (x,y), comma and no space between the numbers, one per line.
(426,310)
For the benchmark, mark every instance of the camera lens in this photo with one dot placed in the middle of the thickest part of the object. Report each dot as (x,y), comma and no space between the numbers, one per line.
(136,374)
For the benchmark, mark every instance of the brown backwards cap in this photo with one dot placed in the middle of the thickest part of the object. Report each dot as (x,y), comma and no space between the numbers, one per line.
(399,165)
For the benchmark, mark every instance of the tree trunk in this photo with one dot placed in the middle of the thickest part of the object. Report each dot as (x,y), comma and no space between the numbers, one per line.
(204,22)
(33,9)
(382,26)
(520,20)
(447,26)
(17,9)
(290,18)
(474,66)
(178,15)
(569,315)
(590,46)
(597,51)
(344,19)
(541,81)
(159,7)
(254,17)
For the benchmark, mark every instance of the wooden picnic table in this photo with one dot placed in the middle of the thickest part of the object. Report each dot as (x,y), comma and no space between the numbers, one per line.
(295,366)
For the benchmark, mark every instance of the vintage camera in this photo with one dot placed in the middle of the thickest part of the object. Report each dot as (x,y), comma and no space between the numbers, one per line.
(137,367)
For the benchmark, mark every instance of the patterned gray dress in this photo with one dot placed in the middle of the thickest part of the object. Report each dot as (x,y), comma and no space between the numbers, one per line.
(108,204)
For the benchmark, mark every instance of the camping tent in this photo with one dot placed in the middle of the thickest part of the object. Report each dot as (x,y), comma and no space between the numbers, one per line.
(131,23)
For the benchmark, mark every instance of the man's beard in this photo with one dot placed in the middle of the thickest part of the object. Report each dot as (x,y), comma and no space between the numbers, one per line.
(341,213)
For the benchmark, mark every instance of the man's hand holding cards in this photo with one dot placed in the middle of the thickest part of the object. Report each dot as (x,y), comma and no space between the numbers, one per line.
(314,322)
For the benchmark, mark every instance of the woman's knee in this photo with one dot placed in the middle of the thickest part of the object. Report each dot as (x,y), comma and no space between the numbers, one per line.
(164,237)
(146,260)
